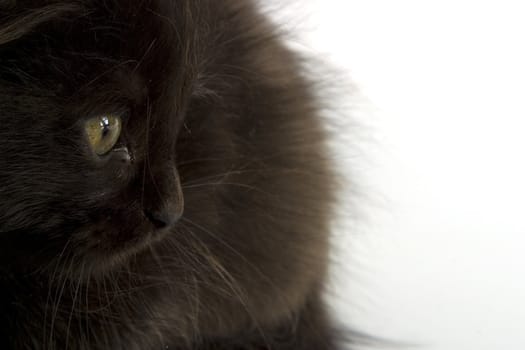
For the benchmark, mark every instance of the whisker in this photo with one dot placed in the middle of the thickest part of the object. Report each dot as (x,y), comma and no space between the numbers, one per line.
(50,286)
(231,282)
(58,299)
(244,259)
(73,305)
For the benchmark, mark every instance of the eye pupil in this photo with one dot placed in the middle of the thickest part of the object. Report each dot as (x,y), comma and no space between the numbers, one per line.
(105,130)
(104,125)
(104,122)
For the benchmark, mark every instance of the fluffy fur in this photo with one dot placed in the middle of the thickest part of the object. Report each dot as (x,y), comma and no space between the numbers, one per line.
(219,122)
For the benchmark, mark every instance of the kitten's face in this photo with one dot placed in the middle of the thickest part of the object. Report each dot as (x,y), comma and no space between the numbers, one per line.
(89,123)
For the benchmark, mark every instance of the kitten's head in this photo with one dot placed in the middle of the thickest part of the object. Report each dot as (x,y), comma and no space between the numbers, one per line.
(117,117)
(92,96)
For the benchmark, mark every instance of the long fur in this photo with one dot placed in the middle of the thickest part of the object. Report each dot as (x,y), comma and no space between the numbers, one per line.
(209,96)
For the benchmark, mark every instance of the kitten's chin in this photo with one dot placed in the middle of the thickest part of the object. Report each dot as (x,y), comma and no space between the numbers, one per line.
(106,249)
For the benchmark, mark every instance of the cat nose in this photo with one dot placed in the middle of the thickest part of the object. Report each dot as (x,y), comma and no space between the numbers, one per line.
(164,202)
(166,216)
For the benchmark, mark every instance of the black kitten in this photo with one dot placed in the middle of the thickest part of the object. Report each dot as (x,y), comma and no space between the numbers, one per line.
(163,180)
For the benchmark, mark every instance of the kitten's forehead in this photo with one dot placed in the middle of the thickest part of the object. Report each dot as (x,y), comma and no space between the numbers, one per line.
(106,31)
(104,50)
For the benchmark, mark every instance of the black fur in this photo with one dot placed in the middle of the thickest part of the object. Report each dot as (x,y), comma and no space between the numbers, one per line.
(218,120)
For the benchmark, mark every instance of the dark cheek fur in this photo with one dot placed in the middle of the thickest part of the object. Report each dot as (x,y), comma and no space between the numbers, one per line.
(213,235)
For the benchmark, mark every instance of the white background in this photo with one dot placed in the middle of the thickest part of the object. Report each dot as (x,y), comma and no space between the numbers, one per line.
(432,250)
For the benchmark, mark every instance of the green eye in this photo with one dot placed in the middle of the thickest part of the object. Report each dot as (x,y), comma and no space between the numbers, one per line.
(103,132)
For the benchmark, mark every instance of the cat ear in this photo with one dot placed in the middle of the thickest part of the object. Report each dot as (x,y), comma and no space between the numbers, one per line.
(15,24)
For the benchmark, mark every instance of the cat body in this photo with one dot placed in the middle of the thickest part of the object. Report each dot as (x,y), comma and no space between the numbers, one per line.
(205,226)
